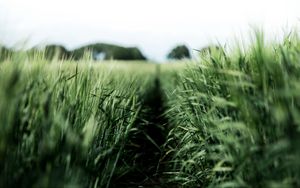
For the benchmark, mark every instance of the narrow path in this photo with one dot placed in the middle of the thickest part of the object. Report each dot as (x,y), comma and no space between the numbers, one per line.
(145,147)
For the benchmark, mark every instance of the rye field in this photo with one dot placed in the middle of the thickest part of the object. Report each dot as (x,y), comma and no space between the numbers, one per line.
(228,119)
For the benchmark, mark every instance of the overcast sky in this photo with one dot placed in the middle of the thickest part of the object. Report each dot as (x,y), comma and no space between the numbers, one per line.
(153,25)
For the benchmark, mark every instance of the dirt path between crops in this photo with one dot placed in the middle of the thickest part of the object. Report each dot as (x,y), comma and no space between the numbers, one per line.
(146,144)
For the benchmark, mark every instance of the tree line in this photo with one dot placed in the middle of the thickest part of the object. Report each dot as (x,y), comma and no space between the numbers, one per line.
(102,51)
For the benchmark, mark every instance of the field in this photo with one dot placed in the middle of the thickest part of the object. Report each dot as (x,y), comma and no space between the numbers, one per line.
(231,119)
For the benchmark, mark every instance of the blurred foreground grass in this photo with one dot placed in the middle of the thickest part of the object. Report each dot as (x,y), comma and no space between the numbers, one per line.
(66,124)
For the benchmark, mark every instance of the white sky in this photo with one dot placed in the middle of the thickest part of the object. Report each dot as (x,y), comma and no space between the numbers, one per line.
(153,25)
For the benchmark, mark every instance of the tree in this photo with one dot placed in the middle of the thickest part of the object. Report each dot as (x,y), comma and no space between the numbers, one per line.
(109,51)
(179,52)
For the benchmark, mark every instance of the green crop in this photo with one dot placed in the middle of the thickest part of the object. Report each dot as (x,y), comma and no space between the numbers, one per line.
(231,119)
(236,118)
(66,124)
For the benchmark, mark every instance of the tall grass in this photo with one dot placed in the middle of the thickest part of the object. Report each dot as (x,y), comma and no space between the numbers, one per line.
(236,118)
(230,120)
(66,124)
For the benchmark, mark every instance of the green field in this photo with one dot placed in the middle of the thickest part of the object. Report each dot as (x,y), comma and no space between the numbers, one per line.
(230,119)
